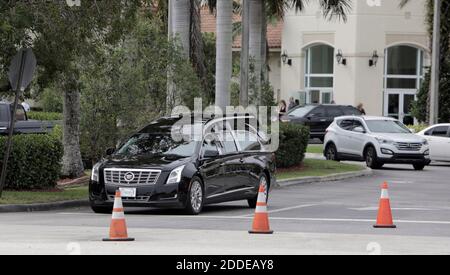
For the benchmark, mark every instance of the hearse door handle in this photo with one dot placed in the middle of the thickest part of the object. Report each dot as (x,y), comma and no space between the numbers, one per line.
(3,128)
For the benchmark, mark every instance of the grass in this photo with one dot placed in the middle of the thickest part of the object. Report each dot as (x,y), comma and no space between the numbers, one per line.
(315,149)
(317,168)
(30,197)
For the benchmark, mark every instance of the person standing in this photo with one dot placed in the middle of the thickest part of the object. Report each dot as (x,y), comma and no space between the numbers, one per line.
(360,108)
(282,108)
(291,103)
(25,106)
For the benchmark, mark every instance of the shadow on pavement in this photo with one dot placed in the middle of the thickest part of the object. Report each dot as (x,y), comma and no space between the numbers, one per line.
(177,212)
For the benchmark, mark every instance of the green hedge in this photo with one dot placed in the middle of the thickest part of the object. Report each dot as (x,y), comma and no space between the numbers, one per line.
(44,116)
(34,163)
(293,143)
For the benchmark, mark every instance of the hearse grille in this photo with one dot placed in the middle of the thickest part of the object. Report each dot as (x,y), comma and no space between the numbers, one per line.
(405,146)
(126,199)
(125,177)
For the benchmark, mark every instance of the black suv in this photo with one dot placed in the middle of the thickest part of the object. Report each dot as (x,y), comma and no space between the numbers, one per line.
(318,117)
(154,169)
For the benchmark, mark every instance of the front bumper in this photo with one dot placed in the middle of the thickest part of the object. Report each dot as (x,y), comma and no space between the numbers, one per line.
(157,195)
(407,159)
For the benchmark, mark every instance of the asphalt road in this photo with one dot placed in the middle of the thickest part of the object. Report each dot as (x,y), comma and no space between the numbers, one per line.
(325,218)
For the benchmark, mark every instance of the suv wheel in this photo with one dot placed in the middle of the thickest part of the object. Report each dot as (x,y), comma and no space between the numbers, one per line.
(331,153)
(419,167)
(372,159)
(262,181)
(196,198)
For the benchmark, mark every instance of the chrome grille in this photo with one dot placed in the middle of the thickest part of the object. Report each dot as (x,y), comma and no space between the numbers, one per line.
(125,177)
(126,199)
(405,146)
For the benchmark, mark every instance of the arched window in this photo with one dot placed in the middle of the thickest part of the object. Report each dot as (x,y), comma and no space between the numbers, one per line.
(402,80)
(319,74)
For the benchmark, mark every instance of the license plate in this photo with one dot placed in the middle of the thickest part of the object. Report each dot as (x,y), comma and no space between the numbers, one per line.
(128,192)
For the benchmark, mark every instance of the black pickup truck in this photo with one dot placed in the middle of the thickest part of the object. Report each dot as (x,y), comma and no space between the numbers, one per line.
(22,125)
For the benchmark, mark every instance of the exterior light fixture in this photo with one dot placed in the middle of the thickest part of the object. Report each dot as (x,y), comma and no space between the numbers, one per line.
(285,59)
(374,60)
(340,58)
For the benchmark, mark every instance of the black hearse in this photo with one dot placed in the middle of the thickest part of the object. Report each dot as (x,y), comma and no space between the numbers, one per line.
(154,169)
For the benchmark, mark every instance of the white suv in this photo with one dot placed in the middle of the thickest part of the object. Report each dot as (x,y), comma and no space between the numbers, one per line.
(376,140)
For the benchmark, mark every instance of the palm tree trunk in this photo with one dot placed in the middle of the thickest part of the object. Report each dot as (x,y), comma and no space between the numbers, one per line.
(181,23)
(224,46)
(243,96)
(256,26)
(179,28)
(264,46)
(72,162)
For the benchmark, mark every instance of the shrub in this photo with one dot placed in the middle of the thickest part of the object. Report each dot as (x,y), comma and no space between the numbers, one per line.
(35,161)
(51,100)
(293,142)
(44,116)
(417,128)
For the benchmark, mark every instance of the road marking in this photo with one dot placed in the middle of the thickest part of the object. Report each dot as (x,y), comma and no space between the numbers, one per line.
(396,209)
(399,182)
(284,209)
(323,219)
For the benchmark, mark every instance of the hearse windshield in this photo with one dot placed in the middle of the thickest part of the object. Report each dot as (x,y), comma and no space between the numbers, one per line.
(157,144)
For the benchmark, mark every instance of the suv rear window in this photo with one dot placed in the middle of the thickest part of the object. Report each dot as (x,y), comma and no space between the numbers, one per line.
(346,124)
(351,111)
(335,111)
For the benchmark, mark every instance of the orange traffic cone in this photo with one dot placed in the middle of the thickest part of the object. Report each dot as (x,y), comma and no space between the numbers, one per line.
(261,220)
(118,230)
(384,219)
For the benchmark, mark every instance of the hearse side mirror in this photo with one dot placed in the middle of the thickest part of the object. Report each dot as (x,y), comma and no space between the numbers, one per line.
(110,151)
(210,154)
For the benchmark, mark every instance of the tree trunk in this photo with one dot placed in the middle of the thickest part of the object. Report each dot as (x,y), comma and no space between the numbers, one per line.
(224,52)
(179,28)
(181,23)
(264,47)
(72,163)
(256,26)
(243,96)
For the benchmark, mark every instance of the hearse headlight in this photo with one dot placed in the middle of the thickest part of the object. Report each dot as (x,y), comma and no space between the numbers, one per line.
(175,175)
(95,172)
(425,142)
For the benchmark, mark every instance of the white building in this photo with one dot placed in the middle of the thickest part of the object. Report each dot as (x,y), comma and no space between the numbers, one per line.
(315,72)
(394,40)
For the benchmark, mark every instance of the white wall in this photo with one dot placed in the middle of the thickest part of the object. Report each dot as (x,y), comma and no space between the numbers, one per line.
(368,28)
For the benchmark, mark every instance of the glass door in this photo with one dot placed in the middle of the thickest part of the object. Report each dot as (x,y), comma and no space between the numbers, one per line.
(398,105)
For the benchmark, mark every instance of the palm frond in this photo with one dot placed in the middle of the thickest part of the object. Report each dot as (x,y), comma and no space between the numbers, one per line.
(336,9)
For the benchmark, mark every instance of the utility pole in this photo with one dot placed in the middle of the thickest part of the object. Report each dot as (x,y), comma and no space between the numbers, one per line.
(435,66)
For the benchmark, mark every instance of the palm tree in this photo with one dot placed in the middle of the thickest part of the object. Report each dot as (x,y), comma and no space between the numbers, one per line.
(224,46)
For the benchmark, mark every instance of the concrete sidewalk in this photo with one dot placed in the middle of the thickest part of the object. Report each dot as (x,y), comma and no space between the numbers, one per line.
(86,240)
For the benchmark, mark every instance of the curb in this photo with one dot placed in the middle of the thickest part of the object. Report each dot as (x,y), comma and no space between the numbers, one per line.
(42,206)
(329,178)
